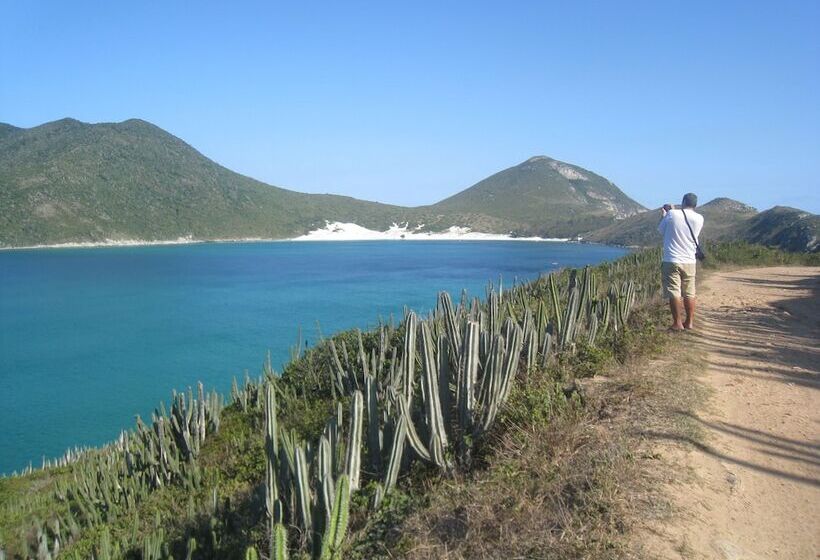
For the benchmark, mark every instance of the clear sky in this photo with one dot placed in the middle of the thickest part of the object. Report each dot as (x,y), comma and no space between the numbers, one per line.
(410,102)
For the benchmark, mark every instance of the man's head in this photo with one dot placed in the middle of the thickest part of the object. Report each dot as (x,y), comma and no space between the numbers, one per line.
(690,200)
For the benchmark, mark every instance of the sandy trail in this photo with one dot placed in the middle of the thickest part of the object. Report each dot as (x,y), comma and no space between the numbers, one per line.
(755,493)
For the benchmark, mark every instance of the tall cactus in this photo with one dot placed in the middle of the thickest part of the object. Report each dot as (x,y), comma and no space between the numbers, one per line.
(431,385)
(467,373)
(374,431)
(353,461)
(337,527)
(280,543)
(408,359)
(303,492)
(272,503)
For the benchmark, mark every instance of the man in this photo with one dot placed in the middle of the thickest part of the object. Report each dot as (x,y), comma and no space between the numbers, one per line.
(679,262)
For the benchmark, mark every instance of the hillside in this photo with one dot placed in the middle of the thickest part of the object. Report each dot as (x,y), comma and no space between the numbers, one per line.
(725,220)
(787,228)
(721,215)
(70,181)
(541,196)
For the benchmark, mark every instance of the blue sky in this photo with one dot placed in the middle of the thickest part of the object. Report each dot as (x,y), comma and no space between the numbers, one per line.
(410,102)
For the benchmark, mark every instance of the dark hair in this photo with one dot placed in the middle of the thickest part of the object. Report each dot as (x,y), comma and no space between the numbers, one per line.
(690,200)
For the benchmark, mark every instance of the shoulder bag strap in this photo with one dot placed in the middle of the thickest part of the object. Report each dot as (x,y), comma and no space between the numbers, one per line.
(692,233)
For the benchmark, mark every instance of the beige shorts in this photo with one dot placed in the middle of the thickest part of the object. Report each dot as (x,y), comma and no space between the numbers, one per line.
(678,278)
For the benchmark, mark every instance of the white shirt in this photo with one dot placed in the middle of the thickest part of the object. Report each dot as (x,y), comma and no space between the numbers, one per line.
(678,246)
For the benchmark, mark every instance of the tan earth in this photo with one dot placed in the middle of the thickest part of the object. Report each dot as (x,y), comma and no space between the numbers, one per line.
(755,489)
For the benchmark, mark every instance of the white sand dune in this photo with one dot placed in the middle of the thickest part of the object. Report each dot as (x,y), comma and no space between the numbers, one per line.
(345,231)
(333,231)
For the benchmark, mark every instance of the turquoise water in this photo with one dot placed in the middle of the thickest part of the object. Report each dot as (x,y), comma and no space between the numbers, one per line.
(91,337)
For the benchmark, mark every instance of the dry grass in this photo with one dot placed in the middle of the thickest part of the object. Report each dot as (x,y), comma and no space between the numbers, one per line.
(573,487)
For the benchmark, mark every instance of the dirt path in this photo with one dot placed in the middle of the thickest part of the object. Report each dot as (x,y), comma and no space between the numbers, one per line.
(755,489)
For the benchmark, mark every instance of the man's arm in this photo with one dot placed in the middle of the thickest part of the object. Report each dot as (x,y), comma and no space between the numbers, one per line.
(663,222)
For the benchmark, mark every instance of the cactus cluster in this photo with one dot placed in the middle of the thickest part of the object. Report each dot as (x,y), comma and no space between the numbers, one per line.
(110,482)
(431,397)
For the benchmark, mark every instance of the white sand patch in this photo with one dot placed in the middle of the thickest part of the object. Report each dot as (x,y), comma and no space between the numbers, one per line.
(345,231)
(333,231)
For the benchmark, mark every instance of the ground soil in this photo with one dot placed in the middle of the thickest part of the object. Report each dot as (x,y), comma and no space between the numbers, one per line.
(747,484)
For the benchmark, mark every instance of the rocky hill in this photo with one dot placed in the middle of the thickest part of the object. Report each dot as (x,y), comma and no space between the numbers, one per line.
(542,196)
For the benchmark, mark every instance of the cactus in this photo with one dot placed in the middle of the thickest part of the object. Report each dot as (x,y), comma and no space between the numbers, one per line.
(374,447)
(453,332)
(556,308)
(337,528)
(396,452)
(467,372)
(280,543)
(324,475)
(272,504)
(303,492)
(251,554)
(408,359)
(412,436)
(353,461)
(190,548)
(431,385)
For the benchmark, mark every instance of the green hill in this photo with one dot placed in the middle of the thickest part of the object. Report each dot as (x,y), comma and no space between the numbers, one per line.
(788,228)
(721,218)
(70,181)
(725,220)
(541,196)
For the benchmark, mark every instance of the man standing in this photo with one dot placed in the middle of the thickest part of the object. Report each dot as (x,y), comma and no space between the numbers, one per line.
(680,229)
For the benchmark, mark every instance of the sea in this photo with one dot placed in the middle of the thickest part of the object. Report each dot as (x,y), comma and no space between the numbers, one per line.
(92,337)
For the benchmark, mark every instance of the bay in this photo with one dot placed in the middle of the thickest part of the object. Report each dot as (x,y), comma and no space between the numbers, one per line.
(89,338)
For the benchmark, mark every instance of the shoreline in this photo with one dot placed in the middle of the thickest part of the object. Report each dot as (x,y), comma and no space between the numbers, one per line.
(332,232)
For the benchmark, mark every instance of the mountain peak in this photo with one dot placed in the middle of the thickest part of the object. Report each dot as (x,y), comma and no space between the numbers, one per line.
(66,121)
(723,204)
(544,196)
(534,159)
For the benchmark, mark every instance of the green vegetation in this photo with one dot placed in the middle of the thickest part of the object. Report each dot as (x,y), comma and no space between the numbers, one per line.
(726,220)
(540,196)
(787,228)
(740,254)
(68,181)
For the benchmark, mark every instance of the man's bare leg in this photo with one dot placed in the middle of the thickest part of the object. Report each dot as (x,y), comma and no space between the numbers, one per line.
(677,311)
(689,305)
